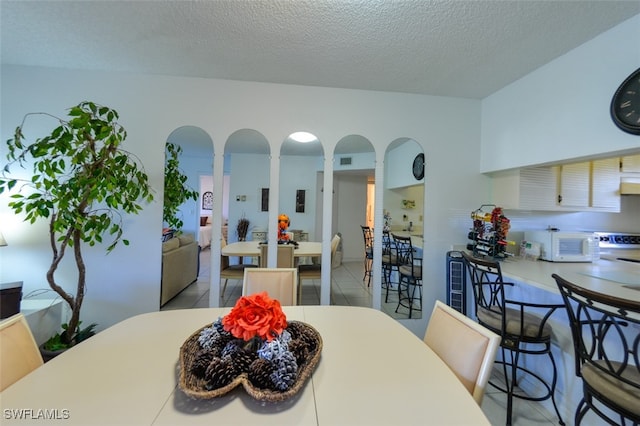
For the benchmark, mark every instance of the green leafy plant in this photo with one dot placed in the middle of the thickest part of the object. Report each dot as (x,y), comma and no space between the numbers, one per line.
(57,343)
(176,190)
(82,183)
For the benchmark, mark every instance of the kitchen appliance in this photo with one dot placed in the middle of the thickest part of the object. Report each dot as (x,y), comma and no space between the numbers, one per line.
(619,246)
(566,246)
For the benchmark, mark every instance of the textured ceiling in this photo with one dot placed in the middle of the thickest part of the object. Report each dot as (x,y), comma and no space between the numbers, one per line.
(450,48)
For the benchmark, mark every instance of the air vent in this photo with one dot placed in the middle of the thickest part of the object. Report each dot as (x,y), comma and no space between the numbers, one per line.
(345,161)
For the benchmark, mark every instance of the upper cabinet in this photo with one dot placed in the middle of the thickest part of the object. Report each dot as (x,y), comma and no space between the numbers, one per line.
(630,164)
(573,185)
(533,188)
(605,185)
(586,186)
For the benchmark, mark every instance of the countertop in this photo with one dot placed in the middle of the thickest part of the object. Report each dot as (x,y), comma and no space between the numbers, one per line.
(620,279)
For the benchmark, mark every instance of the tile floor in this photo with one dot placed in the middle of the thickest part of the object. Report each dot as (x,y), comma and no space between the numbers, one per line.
(348,288)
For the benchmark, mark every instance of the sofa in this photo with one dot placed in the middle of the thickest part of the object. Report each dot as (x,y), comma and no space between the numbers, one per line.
(180,258)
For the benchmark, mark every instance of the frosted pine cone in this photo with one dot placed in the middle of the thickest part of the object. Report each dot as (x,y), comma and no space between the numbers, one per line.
(286,371)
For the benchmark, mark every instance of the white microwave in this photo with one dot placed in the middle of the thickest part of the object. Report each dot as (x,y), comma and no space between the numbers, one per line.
(565,246)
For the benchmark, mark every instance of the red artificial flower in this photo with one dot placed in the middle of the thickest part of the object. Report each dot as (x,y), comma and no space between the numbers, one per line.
(255,315)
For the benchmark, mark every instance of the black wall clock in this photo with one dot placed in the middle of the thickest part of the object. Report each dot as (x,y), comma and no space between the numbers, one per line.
(418,166)
(625,105)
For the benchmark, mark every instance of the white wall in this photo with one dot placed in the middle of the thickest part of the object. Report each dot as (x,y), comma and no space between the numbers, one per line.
(561,110)
(126,282)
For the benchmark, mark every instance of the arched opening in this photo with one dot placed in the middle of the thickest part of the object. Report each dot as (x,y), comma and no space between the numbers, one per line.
(247,176)
(195,161)
(353,207)
(403,209)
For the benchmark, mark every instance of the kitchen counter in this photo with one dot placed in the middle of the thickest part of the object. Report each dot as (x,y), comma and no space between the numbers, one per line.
(619,279)
(416,239)
(533,283)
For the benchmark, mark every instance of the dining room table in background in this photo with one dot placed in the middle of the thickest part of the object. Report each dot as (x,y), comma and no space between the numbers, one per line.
(252,249)
(128,375)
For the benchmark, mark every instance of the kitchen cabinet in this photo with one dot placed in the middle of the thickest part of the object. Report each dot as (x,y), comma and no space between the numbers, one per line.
(605,185)
(532,188)
(630,164)
(585,186)
(573,185)
(590,186)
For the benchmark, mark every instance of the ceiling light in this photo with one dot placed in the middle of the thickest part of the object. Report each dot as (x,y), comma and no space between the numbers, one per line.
(303,137)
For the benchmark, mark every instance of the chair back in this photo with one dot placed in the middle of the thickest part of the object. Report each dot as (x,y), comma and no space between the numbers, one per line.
(606,339)
(286,257)
(406,255)
(224,260)
(389,249)
(467,348)
(279,283)
(335,242)
(19,353)
(487,284)
(367,233)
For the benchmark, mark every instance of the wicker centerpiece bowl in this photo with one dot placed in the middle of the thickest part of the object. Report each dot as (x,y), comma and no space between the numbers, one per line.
(253,346)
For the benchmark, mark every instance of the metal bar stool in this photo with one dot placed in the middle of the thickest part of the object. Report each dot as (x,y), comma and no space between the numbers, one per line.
(367,233)
(606,339)
(390,263)
(523,328)
(410,271)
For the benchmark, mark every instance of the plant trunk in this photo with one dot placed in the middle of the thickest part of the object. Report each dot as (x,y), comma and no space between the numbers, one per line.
(70,332)
(75,303)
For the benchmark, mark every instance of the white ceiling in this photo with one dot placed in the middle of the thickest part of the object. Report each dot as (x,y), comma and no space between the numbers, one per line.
(448,48)
(451,48)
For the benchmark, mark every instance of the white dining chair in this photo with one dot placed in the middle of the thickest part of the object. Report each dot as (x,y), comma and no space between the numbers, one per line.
(231,272)
(279,283)
(19,353)
(286,256)
(468,348)
(314,271)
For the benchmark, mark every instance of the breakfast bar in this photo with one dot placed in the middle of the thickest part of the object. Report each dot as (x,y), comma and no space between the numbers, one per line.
(533,282)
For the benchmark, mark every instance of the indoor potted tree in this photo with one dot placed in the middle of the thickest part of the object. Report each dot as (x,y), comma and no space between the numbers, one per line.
(176,190)
(82,183)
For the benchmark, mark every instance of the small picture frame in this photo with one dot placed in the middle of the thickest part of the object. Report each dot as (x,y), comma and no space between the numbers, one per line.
(207,200)
(264,200)
(300,198)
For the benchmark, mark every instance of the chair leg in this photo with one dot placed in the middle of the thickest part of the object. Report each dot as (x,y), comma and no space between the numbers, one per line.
(511,383)
(224,287)
(386,283)
(367,269)
(581,410)
(553,387)
(510,369)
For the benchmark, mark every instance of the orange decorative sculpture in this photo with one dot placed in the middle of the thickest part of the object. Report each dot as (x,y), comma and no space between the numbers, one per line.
(283,225)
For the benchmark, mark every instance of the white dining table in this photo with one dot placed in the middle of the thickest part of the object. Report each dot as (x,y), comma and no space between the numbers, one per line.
(372,371)
(252,249)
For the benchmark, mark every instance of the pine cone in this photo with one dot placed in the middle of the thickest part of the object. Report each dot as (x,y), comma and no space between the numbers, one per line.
(259,374)
(286,371)
(219,373)
(304,334)
(231,348)
(300,350)
(201,361)
(242,359)
(294,328)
